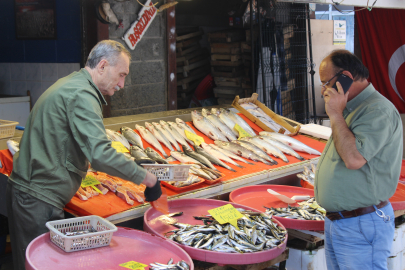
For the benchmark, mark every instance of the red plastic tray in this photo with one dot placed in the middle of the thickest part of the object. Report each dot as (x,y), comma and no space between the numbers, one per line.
(397,200)
(126,245)
(198,207)
(179,189)
(257,197)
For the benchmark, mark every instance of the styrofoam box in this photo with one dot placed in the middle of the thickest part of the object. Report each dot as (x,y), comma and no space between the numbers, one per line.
(304,259)
(399,240)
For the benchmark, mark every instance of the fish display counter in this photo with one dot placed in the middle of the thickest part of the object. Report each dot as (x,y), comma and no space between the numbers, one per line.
(245,170)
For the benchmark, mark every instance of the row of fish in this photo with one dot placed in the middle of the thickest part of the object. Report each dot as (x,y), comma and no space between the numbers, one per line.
(307,210)
(181,265)
(262,116)
(256,232)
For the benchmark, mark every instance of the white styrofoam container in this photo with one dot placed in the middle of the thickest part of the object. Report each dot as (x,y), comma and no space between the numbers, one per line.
(304,259)
(397,262)
(316,131)
(399,240)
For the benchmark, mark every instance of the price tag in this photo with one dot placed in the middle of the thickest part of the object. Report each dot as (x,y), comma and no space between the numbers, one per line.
(119,147)
(226,214)
(242,132)
(89,181)
(194,137)
(133,265)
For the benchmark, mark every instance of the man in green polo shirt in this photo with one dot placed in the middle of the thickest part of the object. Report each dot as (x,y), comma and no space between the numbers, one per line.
(359,168)
(65,132)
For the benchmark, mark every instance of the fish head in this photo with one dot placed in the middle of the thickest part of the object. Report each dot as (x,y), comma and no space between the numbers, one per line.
(205,112)
(179,121)
(156,124)
(163,123)
(219,143)
(196,116)
(135,148)
(148,125)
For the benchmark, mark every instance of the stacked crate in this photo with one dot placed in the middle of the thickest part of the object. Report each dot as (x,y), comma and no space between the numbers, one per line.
(192,64)
(286,98)
(229,55)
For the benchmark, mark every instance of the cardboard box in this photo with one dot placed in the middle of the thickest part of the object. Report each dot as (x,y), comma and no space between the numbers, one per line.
(277,118)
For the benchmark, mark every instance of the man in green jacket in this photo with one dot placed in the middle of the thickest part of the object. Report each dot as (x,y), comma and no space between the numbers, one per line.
(65,132)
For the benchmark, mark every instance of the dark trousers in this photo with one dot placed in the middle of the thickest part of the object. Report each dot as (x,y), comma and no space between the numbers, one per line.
(27,216)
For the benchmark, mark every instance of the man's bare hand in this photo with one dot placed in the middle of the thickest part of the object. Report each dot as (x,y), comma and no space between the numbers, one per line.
(150,180)
(335,101)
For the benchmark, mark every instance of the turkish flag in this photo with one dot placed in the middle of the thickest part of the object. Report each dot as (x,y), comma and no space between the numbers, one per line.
(382,42)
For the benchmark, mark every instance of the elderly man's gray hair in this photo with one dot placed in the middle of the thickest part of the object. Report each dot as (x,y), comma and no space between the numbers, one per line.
(108,50)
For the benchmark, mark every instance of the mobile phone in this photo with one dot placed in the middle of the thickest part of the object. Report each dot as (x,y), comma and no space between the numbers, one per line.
(345,81)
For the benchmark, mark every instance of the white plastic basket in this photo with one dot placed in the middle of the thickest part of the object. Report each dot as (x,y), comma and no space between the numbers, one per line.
(7,128)
(102,237)
(168,172)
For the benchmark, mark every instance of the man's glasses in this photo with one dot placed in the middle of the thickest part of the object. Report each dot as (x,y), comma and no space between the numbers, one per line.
(325,84)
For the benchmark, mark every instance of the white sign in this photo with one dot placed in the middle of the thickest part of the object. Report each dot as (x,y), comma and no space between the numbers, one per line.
(339,32)
(139,27)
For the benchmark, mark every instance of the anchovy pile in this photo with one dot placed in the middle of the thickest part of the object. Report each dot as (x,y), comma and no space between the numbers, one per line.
(257,233)
(308,174)
(308,210)
(181,265)
(80,232)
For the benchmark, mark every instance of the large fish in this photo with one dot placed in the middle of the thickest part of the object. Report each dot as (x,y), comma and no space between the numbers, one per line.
(216,121)
(155,156)
(266,120)
(147,136)
(202,159)
(240,151)
(205,126)
(239,120)
(183,124)
(281,146)
(167,135)
(216,153)
(158,135)
(115,136)
(226,120)
(256,150)
(132,136)
(180,139)
(293,143)
(140,156)
(212,158)
(229,154)
(183,158)
(266,147)
(181,130)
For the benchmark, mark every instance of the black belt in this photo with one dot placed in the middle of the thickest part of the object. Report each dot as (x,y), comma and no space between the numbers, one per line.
(354,213)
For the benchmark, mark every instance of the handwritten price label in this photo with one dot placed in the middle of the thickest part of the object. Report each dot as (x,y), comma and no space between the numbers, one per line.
(119,147)
(194,137)
(242,132)
(89,181)
(226,214)
(133,265)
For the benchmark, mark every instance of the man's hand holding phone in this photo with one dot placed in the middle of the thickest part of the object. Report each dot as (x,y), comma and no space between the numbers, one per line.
(335,101)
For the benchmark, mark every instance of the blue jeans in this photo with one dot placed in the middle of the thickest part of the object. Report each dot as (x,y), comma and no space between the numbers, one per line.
(362,242)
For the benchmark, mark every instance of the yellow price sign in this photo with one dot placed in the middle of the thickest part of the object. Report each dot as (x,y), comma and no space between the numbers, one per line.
(133,265)
(89,180)
(226,214)
(119,147)
(242,132)
(194,137)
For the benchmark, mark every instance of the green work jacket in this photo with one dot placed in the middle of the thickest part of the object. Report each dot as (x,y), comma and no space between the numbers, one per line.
(64,132)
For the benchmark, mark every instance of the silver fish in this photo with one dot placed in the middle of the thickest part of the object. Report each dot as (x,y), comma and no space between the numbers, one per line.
(158,135)
(239,120)
(183,158)
(181,130)
(214,152)
(184,125)
(266,147)
(248,106)
(202,159)
(155,156)
(255,150)
(205,126)
(229,154)
(281,146)
(115,136)
(174,133)
(132,136)
(167,135)
(212,158)
(293,143)
(241,151)
(147,136)
(226,120)
(13,146)
(216,121)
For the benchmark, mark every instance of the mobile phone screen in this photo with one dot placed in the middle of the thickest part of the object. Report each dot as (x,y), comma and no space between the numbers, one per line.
(345,81)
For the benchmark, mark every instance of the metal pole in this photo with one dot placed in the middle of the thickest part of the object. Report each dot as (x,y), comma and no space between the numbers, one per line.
(261,53)
(312,72)
(253,77)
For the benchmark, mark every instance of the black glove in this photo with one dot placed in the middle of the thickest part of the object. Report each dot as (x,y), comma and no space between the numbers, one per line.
(153,193)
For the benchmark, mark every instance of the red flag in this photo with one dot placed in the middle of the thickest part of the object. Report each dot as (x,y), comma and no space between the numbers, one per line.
(382,42)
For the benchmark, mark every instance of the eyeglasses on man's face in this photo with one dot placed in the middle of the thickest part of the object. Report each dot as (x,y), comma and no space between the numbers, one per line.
(325,84)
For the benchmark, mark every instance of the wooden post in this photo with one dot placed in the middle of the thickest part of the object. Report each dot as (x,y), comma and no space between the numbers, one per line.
(171,57)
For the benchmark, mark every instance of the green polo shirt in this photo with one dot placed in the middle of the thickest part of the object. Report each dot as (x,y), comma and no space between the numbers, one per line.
(64,132)
(377,126)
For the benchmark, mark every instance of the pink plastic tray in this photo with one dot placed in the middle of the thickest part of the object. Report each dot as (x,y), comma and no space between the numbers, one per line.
(257,197)
(126,245)
(199,207)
